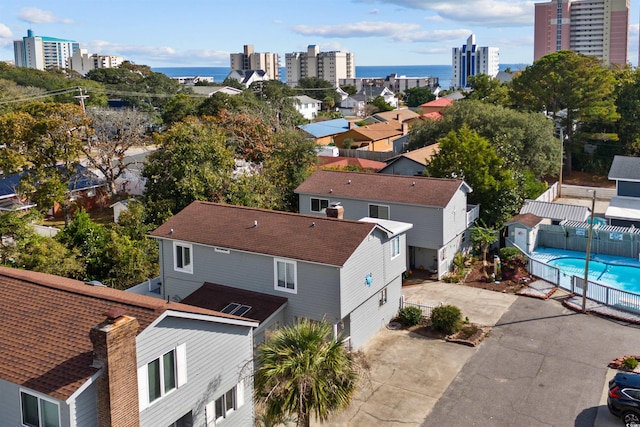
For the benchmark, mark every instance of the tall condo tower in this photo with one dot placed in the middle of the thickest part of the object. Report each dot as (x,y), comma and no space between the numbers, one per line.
(470,60)
(250,60)
(42,52)
(330,66)
(592,27)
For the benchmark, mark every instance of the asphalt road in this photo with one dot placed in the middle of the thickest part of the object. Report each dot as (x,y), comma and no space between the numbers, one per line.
(542,365)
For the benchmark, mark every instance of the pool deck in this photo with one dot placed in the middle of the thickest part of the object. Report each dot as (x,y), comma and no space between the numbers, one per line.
(593,307)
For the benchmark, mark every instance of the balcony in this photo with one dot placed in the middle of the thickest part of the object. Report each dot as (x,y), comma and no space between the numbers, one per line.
(473,213)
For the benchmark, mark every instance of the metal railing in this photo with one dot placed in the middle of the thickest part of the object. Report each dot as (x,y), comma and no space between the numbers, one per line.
(603,294)
(426,309)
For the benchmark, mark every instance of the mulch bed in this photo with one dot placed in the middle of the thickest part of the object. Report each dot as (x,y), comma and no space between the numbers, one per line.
(510,285)
(470,334)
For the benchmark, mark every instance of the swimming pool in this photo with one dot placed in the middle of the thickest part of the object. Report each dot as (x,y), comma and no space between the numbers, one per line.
(617,272)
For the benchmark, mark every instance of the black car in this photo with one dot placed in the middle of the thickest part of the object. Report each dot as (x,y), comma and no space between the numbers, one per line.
(624,398)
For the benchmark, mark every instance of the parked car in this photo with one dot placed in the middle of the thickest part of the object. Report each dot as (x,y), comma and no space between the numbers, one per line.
(623,398)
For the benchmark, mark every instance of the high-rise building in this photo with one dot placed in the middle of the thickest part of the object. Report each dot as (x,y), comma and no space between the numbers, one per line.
(470,60)
(592,27)
(82,62)
(330,66)
(42,52)
(250,60)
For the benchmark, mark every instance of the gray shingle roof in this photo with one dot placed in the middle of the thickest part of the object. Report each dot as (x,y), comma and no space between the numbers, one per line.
(625,168)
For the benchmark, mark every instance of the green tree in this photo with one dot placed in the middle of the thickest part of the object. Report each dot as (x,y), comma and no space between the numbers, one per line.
(318,88)
(179,107)
(91,240)
(349,89)
(417,96)
(468,156)
(628,105)
(524,140)
(381,104)
(488,89)
(304,371)
(574,89)
(192,163)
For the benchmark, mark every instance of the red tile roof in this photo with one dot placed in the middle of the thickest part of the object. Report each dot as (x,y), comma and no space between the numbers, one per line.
(382,187)
(46,321)
(281,234)
(440,102)
(434,115)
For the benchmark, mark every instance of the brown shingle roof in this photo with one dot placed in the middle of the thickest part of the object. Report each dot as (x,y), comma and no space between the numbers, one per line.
(339,162)
(528,219)
(378,131)
(281,234)
(217,297)
(46,321)
(382,187)
(424,154)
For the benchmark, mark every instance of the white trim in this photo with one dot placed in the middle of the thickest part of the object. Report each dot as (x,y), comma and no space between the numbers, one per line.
(83,387)
(295,275)
(320,199)
(39,396)
(188,268)
(240,394)
(181,365)
(379,206)
(143,387)
(396,241)
(209,413)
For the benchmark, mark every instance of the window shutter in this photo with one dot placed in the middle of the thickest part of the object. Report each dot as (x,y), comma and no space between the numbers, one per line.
(181,356)
(143,387)
(210,414)
(240,393)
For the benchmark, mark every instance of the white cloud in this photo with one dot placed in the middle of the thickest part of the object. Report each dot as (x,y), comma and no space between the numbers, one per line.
(392,30)
(5,32)
(159,54)
(34,15)
(438,36)
(374,12)
(435,18)
(278,21)
(505,13)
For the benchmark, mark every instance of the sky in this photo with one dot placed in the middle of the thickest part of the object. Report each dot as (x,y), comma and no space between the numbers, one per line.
(202,33)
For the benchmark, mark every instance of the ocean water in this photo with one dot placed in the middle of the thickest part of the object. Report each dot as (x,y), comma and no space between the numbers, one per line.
(443,72)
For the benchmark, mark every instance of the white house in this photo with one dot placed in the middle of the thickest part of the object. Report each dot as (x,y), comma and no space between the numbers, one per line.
(307,106)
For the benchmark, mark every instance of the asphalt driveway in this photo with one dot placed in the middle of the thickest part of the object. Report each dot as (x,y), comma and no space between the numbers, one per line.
(542,365)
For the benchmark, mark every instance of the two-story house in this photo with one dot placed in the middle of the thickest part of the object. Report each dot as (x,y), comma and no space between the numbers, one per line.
(348,273)
(624,208)
(436,207)
(76,354)
(307,106)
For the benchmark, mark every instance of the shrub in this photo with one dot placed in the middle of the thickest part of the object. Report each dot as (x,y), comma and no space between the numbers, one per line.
(410,316)
(630,363)
(451,278)
(446,318)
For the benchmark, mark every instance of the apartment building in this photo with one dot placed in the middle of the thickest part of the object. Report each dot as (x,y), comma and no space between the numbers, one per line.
(82,62)
(393,82)
(41,52)
(470,60)
(592,27)
(251,60)
(330,66)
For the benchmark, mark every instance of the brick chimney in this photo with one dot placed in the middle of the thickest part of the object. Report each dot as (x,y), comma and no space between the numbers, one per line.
(405,128)
(335,210)
(114,349)
(351,125)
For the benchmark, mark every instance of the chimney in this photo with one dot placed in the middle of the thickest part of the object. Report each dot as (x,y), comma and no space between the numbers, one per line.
(352,125)
(114,350)
(335,210)
(405,128)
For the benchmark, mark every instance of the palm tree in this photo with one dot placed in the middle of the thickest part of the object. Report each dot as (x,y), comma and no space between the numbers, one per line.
(304,370)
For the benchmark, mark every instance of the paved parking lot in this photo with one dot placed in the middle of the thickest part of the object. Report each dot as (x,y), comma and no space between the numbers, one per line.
(542,365)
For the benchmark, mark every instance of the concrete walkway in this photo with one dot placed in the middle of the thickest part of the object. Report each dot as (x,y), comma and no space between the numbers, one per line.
(409,372)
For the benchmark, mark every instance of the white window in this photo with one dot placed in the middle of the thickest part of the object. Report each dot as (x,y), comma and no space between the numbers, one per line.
(39,411)
(319,205)
(395,247)
(223,406)
(285,275)
(379,211)
(383,296)
(161,376)
(182,259)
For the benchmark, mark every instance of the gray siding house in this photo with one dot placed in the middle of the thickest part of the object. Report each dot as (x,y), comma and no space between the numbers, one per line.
(436,207)
(348,273)
(624,208)
(74,354)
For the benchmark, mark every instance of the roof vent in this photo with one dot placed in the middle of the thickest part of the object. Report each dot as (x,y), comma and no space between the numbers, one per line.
(114,313)
(95,283)
(313,224)
(349,182)
(171,231)
(255,223)
(331,190)
(413,184)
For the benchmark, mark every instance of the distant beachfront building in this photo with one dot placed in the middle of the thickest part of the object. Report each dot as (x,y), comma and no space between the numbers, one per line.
(592,27)
(330,66)
(250,60)
(82,62)
(471,60)
(42,52)
(393,82)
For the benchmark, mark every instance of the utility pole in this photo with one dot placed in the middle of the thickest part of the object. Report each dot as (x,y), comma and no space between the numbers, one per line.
(561,161)
(82,97)
(588,255)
